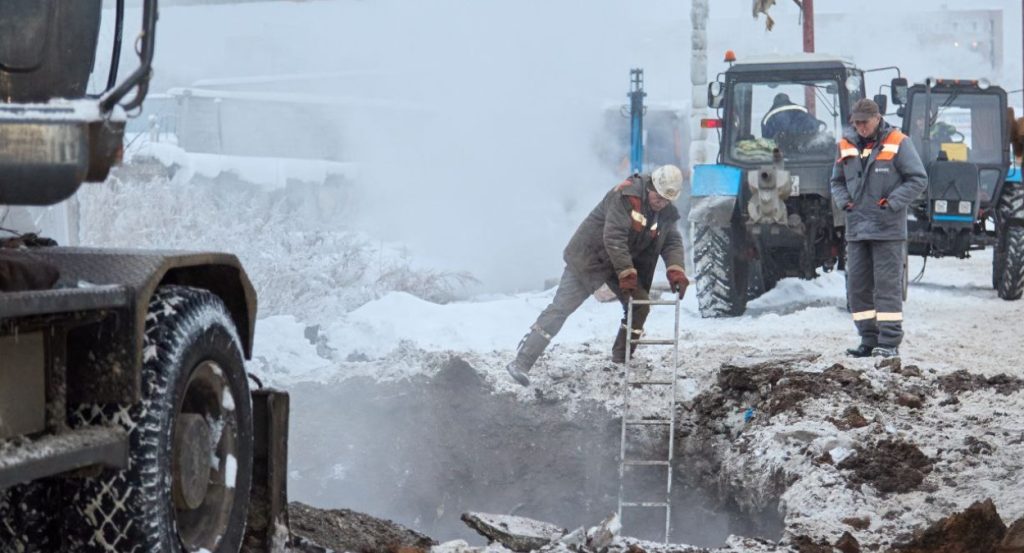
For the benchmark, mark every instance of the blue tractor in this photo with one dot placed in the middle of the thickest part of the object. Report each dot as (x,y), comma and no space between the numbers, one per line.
(764,211)
(975,199)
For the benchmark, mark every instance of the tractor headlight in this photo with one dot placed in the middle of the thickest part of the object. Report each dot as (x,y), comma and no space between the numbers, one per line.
(964,208)
(941,206)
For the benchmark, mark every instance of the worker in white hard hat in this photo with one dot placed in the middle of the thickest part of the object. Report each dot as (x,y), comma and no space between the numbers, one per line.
(618,244)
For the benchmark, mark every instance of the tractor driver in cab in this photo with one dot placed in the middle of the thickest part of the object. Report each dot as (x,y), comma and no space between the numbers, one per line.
(786,117)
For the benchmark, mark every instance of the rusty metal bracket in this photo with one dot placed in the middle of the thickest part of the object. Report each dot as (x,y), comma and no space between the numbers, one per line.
(267,528)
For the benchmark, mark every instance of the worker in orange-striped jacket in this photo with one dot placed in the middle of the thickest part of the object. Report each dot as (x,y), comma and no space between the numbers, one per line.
(877,175)
(618,244)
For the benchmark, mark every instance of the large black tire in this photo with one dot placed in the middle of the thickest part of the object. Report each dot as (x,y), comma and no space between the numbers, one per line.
(26,518)
(193,384)
(722,279)
(998,259)
(1008,257)
(1011,280)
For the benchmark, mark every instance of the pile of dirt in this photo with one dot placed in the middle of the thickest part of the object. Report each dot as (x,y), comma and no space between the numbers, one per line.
(978,529)
(963,381)
(776,388)
(345,530)
(891,466)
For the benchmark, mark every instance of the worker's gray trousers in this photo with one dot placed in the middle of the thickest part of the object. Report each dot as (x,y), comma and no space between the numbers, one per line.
(874,270)
(571,293)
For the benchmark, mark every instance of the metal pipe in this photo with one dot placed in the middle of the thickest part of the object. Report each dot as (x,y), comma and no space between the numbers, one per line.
(115,56)
(140,77)
(808,20)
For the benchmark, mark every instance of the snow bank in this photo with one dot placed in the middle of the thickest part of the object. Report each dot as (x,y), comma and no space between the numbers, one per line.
(268,173)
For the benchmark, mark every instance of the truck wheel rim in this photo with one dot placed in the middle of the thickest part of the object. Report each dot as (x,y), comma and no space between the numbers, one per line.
(203,497)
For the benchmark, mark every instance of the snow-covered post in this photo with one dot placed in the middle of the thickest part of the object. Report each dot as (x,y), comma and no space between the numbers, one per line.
(699,78)
(700,151)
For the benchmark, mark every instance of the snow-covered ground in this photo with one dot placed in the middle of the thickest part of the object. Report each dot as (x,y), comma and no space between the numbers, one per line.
(953,320)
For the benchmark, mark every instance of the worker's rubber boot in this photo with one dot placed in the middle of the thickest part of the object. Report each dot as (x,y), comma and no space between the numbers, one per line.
(619,347)
(640,313)
(529,349)
(862,350)
(885,351)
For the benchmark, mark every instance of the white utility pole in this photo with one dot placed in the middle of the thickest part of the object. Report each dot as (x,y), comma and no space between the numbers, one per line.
(699,147)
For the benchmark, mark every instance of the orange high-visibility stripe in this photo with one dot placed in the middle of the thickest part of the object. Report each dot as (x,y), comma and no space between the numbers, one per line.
(846,149)
(891,145)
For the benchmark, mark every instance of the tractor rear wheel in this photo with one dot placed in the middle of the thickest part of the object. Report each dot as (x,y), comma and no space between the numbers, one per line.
(722,276)
(1008,257)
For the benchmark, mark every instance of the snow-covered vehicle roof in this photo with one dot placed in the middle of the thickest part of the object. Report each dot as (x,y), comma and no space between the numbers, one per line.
(811,59)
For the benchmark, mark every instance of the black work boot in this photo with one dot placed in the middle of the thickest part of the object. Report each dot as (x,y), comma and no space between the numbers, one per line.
(619,347)
(518,373)
(862,350)
(885,351)
(529,349)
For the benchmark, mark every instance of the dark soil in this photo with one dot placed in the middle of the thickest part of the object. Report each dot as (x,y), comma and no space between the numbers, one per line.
(963,381)
(852,418)
(774,389)
(345,530)
(891,466)
(975,530)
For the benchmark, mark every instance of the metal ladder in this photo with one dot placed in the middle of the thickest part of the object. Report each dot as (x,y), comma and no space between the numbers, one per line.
(629,420)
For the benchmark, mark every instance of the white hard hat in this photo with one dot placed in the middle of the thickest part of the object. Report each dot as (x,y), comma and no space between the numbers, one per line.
(668,180)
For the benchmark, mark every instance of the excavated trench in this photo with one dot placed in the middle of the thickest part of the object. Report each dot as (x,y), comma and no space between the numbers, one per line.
(423,451)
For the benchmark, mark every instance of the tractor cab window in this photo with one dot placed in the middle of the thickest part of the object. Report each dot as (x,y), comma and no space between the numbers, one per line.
(967,127)
(801,118)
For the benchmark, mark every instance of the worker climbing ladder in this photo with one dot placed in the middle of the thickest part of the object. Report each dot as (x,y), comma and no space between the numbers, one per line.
(663,418)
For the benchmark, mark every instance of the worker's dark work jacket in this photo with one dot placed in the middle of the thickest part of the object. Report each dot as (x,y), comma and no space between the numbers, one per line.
(789,119)
(624,233)
(886,166)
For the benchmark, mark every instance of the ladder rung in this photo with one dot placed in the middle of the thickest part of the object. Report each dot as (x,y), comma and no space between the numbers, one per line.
(650,421)
(655,302)
(654,342)
(652,382)
(645,504)
(646,463)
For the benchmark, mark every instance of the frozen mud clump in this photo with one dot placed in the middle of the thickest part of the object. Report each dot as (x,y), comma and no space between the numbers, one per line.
(963,381)
(345,530)
(891,466)
(978,529)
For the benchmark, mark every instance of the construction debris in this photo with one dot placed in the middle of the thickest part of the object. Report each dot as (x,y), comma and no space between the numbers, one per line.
(345,530)
(516,533)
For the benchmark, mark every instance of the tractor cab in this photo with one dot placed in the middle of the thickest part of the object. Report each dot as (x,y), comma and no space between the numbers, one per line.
(966,122)
(799,107)
(960,130)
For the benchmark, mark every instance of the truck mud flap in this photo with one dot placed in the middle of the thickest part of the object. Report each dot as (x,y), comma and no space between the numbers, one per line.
(267,528)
